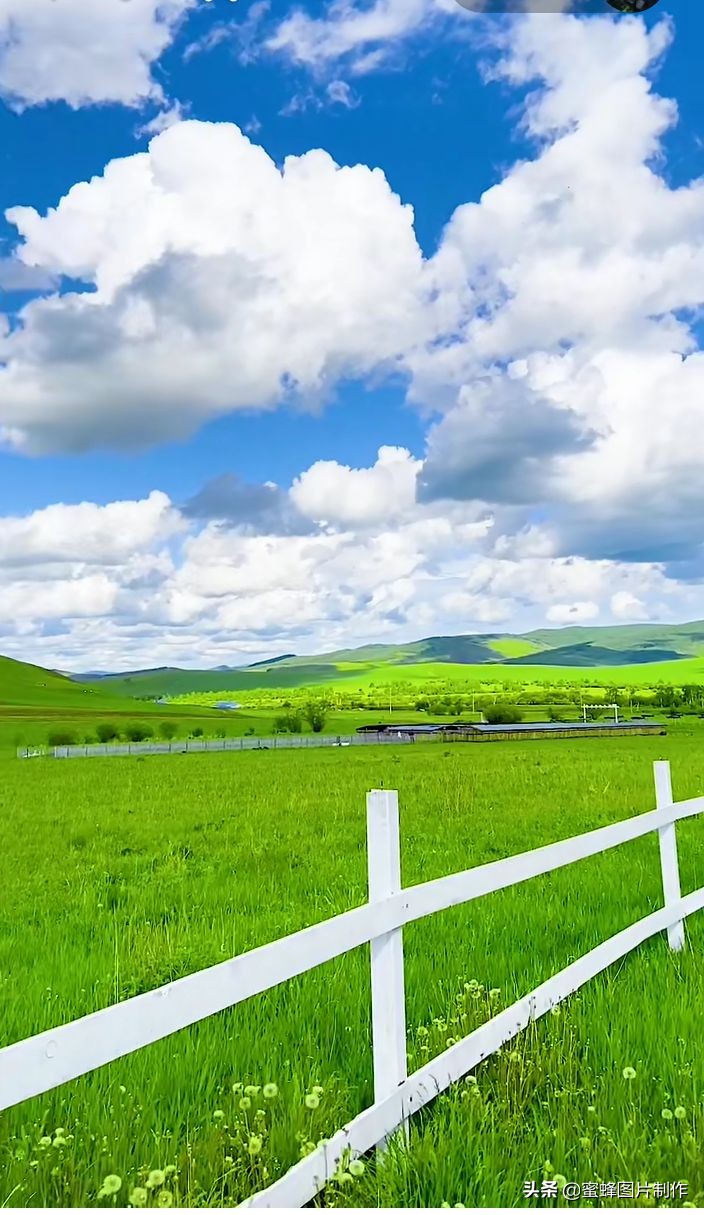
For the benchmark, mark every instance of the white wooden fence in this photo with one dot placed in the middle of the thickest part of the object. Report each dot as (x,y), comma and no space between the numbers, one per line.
(50,1059)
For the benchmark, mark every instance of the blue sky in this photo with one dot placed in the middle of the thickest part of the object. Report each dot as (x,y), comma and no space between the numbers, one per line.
(413,123)
(453,439)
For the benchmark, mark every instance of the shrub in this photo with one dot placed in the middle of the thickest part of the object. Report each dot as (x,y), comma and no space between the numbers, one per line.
(167,730)
(138,732)
(61,738)
(505,715)
(316,717)
(106,731)
(197,732)
(555,715)
(289,723)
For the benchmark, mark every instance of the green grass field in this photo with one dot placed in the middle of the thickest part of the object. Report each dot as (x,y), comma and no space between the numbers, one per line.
(119,875)
(350,675)
(399,684)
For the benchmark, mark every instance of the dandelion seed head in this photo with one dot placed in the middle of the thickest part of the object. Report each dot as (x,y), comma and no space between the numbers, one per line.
(629,1073)
(139,1196)
(356,1168)
(680,1112)
(111,1184)
(667,1115)
(312,1101)
(270,1091)
(155,1178)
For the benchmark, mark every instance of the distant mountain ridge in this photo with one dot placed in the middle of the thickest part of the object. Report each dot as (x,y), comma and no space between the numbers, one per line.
(573,647)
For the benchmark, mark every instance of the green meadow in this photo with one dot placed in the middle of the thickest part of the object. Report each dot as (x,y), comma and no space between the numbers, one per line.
(122,874)
(346,676)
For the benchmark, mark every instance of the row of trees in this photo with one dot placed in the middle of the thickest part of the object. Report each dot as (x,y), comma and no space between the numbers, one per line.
(445,699)
(107,731)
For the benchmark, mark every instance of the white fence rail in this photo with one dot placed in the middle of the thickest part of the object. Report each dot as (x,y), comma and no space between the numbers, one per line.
(50,1059)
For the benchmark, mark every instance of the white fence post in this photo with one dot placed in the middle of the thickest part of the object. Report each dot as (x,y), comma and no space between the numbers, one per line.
(388,992)
(668,851)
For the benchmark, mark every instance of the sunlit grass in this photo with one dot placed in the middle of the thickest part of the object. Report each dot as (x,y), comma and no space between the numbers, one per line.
(119,875)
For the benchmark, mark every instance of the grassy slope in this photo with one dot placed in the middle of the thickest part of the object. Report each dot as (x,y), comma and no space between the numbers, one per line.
(34,701)
(686,670)
(607,652)
(514,647)
(24,684)
(123,874)
(686,638)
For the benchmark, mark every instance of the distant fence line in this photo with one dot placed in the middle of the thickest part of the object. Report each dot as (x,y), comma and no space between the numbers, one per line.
(280,742)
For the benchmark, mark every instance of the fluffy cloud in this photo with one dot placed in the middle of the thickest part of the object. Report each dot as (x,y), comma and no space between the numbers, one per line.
(65,563)
(573,313)
(499,443)
(144,584)
(84,53)
(333,493)
(625,606)
(87,534)
(572,613)
(241,285)
(261,509)
(362,37)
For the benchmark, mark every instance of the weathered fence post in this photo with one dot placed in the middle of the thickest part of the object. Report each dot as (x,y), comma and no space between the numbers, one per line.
(388,992)
(668,851)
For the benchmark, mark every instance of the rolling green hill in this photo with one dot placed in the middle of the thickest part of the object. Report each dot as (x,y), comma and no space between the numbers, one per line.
(22,684)
(664,649)
(34,701)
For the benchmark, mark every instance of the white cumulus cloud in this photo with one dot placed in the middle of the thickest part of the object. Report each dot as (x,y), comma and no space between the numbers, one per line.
(221,282)
(333,493)
(84,52)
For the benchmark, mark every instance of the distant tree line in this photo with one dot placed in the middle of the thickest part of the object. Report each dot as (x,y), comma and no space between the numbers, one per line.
(133,732)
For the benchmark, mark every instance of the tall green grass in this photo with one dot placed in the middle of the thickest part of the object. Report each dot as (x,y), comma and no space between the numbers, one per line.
(120,875)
